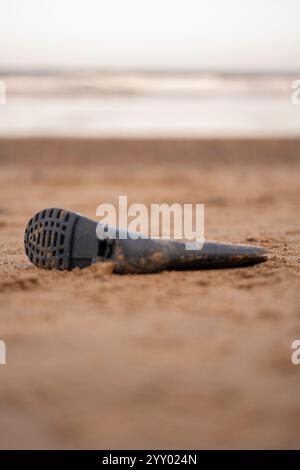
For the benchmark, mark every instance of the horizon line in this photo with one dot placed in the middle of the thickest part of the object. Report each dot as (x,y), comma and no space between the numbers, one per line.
(50,70)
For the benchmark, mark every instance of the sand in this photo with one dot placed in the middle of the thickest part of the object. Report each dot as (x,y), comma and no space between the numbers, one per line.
(169,360)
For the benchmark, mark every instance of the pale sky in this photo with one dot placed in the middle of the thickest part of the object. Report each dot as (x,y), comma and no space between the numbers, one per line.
(182,34)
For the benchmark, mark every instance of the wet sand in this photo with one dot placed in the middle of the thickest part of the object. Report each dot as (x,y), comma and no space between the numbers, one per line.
(169,360)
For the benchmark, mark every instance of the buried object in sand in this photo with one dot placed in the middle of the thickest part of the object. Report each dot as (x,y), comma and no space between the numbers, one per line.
(61,239)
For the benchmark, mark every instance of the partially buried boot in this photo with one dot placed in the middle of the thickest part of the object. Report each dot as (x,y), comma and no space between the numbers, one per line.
(61,239)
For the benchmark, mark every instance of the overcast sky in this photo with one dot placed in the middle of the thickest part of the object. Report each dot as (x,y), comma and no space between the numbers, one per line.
(184,34)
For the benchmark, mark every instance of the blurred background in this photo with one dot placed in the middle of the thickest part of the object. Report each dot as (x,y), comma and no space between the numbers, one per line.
(138,68)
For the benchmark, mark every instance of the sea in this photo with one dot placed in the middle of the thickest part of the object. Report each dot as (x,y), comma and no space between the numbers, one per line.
(93,103)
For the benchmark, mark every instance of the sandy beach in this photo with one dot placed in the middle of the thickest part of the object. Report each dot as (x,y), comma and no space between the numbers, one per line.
(169,360)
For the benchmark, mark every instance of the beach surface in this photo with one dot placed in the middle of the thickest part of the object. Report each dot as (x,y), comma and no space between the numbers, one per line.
(169,360)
